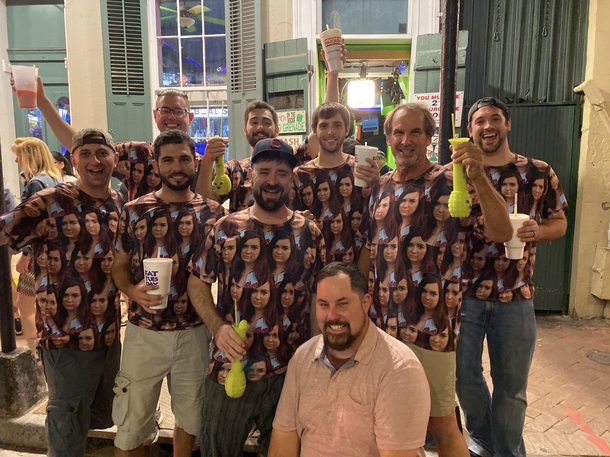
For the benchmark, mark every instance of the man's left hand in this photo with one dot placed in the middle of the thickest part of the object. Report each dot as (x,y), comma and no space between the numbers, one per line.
(471,156)
(529,231)
(369,173)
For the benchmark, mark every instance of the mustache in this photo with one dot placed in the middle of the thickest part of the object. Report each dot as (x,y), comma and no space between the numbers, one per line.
(336,322)
(276,188)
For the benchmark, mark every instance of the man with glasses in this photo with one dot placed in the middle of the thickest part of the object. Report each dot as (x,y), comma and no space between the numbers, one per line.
(506,319)
(425,249)
(172,111)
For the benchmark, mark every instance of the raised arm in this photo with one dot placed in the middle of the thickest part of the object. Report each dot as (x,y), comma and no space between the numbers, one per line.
(61,129)
(215,148)
(495,210)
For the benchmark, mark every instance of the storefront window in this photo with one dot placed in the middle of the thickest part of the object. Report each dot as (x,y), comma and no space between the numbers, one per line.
(366,17)
(207,124)
(191,43)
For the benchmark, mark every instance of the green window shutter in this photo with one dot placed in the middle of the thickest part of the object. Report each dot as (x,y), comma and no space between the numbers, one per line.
(126,68)
(245,74)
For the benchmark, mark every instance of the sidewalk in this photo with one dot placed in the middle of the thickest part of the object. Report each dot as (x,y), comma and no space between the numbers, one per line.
(568,394)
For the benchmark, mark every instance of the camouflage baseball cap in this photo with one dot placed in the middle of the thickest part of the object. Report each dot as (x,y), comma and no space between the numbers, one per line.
(88,136)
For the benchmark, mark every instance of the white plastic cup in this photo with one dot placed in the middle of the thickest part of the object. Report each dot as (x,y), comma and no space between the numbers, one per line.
(514,247)
(363,153)
(25,79)
(158,272)
(331,43)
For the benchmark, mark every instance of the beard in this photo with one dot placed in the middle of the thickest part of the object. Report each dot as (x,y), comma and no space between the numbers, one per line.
(342,341)
(252,139)
(270,205)
(165,179)
(338,146)
(490,149)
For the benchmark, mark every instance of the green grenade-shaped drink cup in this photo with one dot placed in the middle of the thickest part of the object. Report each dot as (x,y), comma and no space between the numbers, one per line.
(235,384)
(459,200)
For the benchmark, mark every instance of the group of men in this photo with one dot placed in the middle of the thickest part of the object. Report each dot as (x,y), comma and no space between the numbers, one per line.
(353,295)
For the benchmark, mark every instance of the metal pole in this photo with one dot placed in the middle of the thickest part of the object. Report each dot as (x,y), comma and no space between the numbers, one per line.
(7,323)
(450,9)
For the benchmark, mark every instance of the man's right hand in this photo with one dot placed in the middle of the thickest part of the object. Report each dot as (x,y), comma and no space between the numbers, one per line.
(229,342)
(215,148)
(139,295)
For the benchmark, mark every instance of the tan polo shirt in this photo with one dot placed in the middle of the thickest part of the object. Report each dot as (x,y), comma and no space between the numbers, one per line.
(381,401)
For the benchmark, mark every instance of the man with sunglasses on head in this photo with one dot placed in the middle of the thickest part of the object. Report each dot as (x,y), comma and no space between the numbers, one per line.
(495,425)
(414,258)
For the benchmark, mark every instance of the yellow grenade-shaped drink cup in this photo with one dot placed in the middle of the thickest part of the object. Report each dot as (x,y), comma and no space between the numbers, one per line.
(459,200)
(221,183)
(235,384)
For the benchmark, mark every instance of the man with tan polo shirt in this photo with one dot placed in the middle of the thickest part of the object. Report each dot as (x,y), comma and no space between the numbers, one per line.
(353,390)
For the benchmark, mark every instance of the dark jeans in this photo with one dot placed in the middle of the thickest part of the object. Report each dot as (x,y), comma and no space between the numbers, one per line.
(80,396)
(227,421)
(495,423)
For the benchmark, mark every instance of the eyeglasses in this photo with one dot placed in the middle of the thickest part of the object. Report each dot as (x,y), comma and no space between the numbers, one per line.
(178,112)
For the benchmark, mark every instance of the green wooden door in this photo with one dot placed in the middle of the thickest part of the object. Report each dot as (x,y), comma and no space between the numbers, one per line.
(125,39)
(287,81)
(244,68)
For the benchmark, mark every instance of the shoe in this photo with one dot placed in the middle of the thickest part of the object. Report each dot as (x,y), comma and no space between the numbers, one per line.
(18,328)
(159,415)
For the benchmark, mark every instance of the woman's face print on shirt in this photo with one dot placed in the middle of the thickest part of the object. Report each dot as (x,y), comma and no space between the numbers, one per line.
(409,204)
(430,296)
(70,226)
(228,250)
(185,227)
(416,250)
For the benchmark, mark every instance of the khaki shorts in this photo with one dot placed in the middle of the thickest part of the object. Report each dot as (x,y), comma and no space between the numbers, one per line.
(440,371)
(148,357)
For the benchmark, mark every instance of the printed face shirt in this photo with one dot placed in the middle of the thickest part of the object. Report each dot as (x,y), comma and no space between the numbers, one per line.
(240,196)
(488,274)
(417,251)
(338,206)
(71,235)
(266,271)
(177,231)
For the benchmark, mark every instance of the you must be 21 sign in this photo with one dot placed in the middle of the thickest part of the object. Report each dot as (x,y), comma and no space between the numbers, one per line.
(432,100)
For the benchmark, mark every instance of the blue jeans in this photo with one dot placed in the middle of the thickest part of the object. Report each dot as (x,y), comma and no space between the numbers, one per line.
(495,423)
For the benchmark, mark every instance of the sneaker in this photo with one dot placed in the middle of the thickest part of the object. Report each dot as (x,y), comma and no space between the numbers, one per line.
(159,415)
(18,329)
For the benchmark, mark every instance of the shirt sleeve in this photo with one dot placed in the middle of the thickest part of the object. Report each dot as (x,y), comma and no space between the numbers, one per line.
(555,199)
(286,413)
(402,408)
(33,187)
(26,223)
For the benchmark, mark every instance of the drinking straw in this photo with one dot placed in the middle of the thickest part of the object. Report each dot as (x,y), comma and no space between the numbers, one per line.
(159,252)
(515,205)
(235,304)
(327,27)
(453,124)
(222,110)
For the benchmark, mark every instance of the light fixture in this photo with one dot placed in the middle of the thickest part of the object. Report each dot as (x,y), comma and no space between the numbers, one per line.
(361,92)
